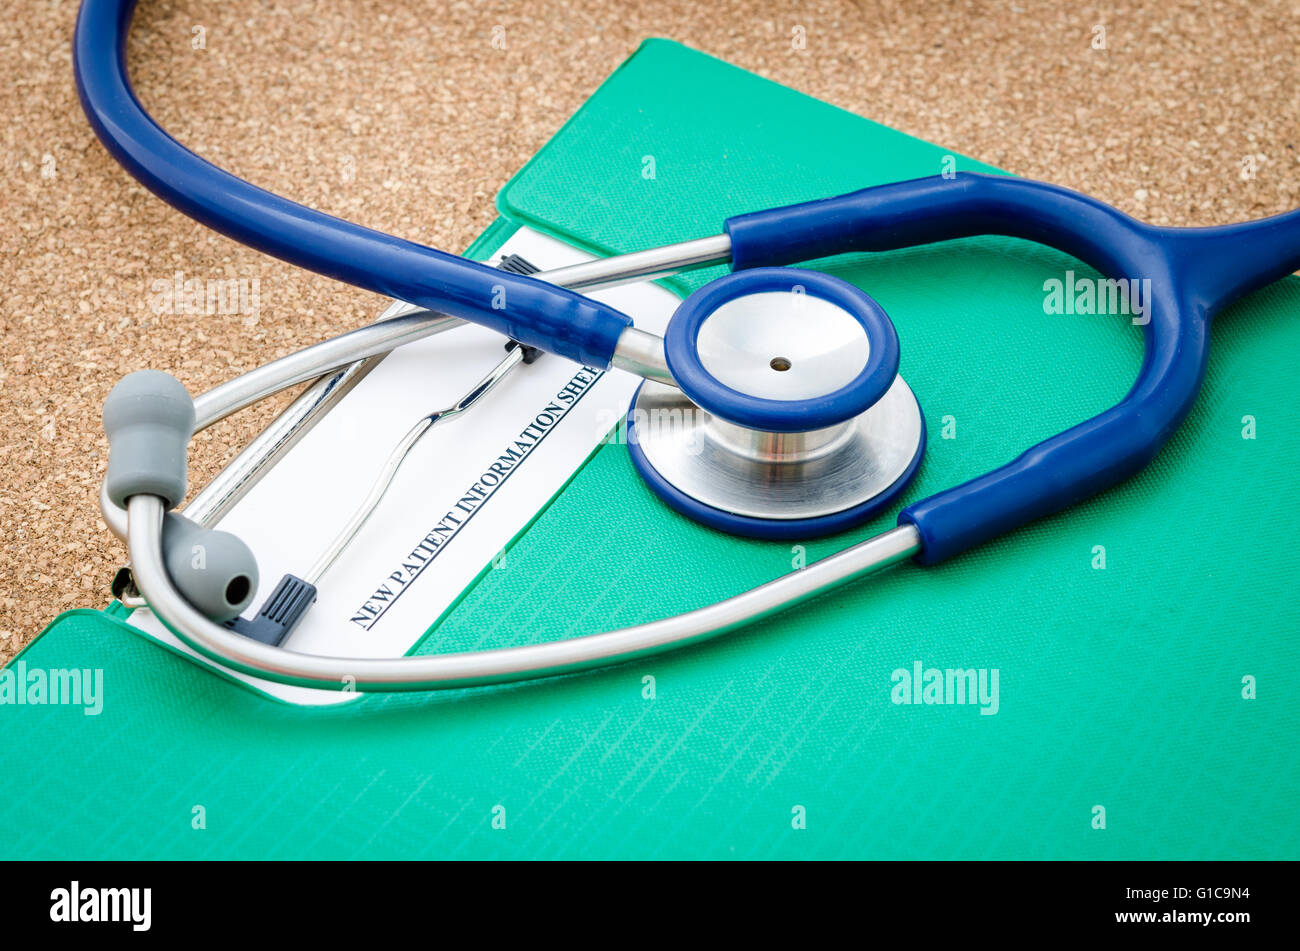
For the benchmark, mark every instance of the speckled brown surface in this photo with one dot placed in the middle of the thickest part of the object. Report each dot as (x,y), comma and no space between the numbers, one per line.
(407,117)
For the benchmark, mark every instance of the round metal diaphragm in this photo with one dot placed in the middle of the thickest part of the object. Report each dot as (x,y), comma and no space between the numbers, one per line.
(783,345)
(775,485)
(782,350)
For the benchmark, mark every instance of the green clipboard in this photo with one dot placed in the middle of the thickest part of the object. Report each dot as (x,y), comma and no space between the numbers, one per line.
(1146,641)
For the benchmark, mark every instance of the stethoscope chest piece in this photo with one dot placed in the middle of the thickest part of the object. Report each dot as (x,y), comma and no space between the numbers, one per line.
(791,420)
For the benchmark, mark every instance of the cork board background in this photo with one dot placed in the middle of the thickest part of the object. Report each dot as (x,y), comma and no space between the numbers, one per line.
(409,117)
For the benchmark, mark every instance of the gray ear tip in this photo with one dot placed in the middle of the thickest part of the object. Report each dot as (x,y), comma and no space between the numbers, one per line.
(149,418)
(148,396)
(214,570)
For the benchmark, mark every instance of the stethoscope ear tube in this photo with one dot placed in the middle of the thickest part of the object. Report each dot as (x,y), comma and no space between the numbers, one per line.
(145,515)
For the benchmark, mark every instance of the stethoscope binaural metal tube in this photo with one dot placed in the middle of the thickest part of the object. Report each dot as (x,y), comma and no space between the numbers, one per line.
(477,668)
(637,352)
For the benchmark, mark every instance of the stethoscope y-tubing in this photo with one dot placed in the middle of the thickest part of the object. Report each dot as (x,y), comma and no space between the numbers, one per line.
(1193,273)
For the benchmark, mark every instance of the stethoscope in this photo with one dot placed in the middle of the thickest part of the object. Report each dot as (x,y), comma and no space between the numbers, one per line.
(771,407)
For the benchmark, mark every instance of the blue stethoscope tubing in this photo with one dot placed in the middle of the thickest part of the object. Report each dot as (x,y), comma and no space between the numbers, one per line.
(557,320)
(1194,273)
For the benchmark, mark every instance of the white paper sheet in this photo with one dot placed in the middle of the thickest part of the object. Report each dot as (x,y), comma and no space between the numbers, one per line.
(465,491)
